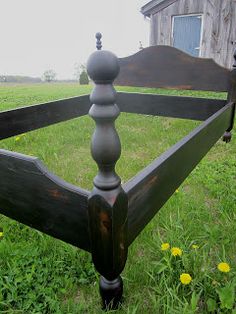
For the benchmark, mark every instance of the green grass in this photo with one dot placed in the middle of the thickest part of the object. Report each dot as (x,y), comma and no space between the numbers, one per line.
(39,274)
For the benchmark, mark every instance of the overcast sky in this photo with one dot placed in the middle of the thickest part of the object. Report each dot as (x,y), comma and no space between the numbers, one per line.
(36,35)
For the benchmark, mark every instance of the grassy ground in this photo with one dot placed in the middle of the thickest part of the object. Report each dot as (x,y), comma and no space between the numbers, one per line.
(39,274)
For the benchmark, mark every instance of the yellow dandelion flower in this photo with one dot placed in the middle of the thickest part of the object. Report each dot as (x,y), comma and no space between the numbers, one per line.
(195,246)
(176,251)
(185,279)
(176,191)
(224,267)
(165,246)
(17,138)
(1,234)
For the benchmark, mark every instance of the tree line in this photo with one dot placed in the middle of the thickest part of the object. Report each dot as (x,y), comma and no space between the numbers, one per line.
(80,74)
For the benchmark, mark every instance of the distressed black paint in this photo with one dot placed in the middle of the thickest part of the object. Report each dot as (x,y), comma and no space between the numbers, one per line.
(108,203)
(169,106)
(152,187)
(30,194)
(21,120)
(168,67)
(106,220)
(231,97)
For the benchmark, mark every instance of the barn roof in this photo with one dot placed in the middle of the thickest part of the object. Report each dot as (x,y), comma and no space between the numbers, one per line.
(155,6)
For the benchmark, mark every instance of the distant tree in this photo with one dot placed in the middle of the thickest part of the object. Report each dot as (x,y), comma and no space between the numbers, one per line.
(80,73)
(3,78)
(83,67)
(140,45)
(83,79)
(19,79)
(49,75)
(78,69)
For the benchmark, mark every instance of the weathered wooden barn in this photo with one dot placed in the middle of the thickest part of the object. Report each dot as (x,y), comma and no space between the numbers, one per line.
(204,28)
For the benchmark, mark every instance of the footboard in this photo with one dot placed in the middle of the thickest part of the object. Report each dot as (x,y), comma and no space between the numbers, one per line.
(30,194)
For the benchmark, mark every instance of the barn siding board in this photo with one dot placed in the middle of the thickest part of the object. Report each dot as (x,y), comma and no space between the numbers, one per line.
(219,23)
(154,32)
(207,26)
(153,27)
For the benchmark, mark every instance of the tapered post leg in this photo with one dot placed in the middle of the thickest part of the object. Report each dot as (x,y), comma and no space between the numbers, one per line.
(231,98)
(108,202)
(111,292)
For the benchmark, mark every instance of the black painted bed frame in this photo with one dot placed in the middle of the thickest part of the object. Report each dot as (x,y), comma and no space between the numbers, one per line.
(107,220)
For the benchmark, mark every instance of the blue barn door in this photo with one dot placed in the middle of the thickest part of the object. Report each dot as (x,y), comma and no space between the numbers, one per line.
(187,33)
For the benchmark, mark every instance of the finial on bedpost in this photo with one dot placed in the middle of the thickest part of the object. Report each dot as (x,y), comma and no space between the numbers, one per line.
(231,98)
(107,203)
(99,42)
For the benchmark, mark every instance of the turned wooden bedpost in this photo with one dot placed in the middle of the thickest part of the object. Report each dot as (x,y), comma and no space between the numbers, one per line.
(108,203)
(231,98)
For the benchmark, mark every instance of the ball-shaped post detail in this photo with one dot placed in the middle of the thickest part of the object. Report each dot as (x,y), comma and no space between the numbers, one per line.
(111,292)
(227,137)
(103,67)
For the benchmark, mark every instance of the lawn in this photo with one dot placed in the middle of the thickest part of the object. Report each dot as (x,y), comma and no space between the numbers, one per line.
(39,274)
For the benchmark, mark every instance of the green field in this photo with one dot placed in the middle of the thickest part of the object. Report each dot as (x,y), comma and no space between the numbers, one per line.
(39,274)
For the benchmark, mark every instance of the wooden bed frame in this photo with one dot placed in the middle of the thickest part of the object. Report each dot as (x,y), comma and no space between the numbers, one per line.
(106,220)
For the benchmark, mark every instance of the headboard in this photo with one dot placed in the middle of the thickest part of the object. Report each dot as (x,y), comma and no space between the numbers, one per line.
(168,67)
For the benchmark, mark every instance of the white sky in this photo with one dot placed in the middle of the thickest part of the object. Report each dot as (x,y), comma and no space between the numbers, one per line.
(36,35)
